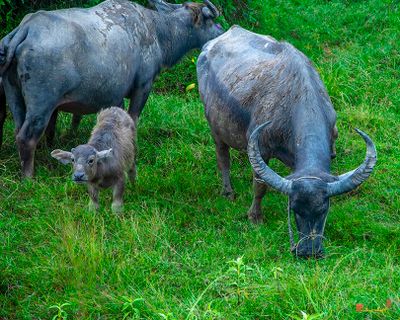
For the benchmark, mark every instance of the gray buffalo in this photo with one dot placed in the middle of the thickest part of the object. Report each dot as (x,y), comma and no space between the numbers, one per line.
(265,97)
(82,60)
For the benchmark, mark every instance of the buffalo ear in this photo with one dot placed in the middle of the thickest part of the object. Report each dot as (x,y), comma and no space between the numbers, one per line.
(104,154)
(64,157)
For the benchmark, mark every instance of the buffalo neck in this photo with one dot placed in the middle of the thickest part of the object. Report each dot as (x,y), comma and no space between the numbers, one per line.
(175,37)
(312,139)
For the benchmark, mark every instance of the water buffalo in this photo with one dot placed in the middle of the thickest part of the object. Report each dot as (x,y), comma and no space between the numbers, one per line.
(82,60)
(265,97)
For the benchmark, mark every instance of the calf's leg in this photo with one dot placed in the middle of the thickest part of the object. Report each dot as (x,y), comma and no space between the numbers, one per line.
(255,215)
(94,198)
(118,192)
(224,163)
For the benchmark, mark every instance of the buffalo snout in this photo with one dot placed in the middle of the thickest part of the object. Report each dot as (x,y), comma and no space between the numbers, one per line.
(79,177)
(310,248)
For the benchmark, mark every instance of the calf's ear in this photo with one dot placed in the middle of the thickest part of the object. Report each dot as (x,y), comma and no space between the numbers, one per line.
(64,157)
(104,154)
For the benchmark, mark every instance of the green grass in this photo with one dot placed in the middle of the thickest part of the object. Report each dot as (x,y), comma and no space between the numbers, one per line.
(180,250)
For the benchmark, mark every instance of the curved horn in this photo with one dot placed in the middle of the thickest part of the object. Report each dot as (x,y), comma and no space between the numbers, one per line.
(212,7)
(352,179)
(268,175)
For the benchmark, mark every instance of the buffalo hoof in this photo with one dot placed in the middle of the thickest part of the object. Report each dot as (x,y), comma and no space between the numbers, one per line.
(255,217)
(228,194)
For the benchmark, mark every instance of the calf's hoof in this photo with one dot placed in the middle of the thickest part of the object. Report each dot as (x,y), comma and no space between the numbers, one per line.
(117,208)
(93,207)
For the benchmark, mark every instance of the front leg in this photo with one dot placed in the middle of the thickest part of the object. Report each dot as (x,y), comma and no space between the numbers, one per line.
(94,198)
(118,192)
(255,215)
(224,163)
(138,100)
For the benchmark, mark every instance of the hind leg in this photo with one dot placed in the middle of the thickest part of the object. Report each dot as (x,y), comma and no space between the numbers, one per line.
(224,164)
(16,104)
(28,138)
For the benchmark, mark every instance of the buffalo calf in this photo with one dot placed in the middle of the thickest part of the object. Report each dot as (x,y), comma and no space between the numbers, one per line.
(103,161)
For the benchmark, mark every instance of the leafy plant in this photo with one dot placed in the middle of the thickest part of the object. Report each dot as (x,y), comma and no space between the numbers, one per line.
(238,271)
(61,313)
(132,308)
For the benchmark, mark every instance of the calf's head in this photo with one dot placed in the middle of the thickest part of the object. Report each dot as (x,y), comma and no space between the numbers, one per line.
(85,160)
(309,195)
(198,18)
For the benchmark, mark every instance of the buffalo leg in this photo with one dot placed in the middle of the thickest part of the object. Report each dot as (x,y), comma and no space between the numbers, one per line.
(254,213)
(16,104)
(138,100)
(3,114)
(76,119)
(94,198)
(118,191)
(51,128)
(28,137)
(224,164)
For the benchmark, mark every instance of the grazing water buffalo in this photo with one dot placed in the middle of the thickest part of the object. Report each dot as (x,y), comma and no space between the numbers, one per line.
(82,60)
(265,97)
(103,161)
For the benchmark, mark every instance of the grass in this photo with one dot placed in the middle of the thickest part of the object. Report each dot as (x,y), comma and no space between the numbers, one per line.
(180,250)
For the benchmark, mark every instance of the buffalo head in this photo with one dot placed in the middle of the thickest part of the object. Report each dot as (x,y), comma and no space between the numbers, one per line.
(309,194)
(199,18)
(85,159)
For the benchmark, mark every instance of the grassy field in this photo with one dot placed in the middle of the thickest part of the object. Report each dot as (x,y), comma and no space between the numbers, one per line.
(180,250)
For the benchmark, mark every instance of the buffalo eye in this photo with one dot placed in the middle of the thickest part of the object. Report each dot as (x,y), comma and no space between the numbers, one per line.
(90,161)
